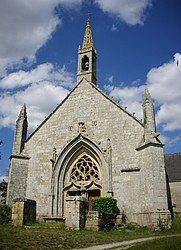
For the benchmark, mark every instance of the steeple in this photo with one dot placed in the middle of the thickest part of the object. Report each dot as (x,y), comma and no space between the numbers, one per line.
(20,131)
(87,57)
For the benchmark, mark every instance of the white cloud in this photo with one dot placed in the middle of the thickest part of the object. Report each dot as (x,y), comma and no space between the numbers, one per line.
(164,139)
(110,79)
(3,177)
(169,115)
(25,26)
(164,84)
(43,88)
(43,72)
(114,27)
(129,11)
(130,97)
(173,141)
(170,141)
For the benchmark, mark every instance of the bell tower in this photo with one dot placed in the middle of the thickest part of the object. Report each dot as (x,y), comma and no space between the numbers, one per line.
(87,57)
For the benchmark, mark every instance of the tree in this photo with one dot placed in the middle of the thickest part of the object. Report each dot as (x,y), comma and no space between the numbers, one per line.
(3,191)
(3,187)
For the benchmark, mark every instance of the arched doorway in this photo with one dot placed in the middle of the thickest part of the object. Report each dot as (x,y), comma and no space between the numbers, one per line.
(80,169)
(84,177)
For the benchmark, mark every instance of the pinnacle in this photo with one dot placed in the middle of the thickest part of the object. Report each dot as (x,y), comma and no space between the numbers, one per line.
(23,111)
(147,95)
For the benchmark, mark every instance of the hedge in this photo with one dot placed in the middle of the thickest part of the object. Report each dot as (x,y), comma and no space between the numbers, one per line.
(107,206)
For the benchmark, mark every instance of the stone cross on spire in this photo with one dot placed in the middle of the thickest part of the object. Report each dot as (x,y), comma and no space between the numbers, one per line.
(88,41)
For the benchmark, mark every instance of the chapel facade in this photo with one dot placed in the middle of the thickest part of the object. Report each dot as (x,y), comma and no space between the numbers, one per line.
(91,146)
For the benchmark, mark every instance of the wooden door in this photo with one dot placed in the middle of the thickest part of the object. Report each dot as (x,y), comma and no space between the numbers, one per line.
(92,194)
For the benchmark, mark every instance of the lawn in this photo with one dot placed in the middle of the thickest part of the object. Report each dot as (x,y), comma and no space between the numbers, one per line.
(173,243)
(54,235)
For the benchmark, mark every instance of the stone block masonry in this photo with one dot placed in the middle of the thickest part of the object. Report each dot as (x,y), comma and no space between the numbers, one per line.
(75,212)
(23,210)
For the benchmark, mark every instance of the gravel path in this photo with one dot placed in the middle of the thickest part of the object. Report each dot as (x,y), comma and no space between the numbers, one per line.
(127,244)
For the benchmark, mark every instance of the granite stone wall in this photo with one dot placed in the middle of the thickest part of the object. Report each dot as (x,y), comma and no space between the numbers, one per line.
(23,210)
(75,212)
(103,120)
(17,182)
(175,189)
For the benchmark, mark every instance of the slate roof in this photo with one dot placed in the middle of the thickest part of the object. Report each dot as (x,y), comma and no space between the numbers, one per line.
(173,166)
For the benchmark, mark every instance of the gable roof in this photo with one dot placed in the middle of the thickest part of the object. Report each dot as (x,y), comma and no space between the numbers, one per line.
(100,91)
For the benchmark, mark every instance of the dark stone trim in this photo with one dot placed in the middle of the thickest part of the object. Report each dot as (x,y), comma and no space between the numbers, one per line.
(149,144)
(53,219)
(173,181)
(20,157)
(130,170)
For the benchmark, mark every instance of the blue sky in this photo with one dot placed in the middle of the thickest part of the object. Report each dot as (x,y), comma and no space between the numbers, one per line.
(137,42)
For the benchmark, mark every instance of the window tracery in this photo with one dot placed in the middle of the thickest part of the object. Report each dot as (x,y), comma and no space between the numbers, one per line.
(84,170)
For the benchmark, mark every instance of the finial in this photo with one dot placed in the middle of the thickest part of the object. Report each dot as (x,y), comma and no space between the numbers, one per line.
(88,16)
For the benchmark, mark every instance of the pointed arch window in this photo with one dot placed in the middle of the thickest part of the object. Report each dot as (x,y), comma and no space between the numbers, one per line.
(84,170)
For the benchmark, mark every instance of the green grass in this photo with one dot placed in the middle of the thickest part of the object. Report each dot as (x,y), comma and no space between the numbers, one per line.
(49,224)
(52,235)
(176,225)
(172,243)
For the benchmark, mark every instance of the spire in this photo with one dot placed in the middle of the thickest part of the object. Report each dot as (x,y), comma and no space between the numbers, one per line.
(20,131)
(88,41)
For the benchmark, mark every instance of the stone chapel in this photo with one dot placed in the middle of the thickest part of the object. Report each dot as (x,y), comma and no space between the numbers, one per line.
(90,145)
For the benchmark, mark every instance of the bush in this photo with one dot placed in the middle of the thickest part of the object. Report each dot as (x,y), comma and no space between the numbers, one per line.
(3,191)
(5,214)
(107,206)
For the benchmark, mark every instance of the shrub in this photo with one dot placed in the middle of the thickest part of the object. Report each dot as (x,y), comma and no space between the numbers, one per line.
(161,224)
(107,206)
(3,191)
(5,214)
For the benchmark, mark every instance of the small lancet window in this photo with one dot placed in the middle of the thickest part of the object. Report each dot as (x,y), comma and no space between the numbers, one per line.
(85,63)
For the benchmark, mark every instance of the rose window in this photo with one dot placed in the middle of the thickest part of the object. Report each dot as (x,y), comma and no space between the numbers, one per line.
(84,170)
